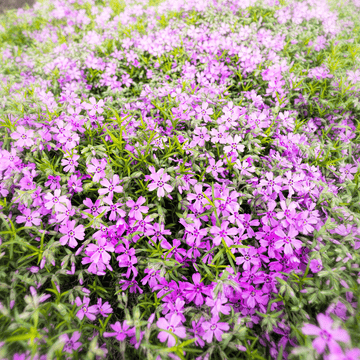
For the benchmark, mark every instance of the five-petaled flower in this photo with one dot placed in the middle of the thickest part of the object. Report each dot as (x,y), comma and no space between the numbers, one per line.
(97,168)
(159,183)
(72,233)
(88,311)
(326,335)
(94,107)
(213,327)
(23,137)
(173,326)
(29,218)
(136,208)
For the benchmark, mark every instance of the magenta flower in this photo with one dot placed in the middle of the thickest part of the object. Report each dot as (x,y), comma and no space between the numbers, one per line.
(29,218)
(94,208)
(174,327)
(194,292)
(74,184)
(305,222)
(204,112)
(111,186)
(347,171)
(99,252)
(104,309)
(213,327)
(23,137)
(114,209)
(71,344)
(136,208)
(270,183)
(215,168)
(288,241)
(55,201)
(157,231)
(353,354)
(120,331)
(71,234)
(88,311)
(326,335)
(97,168)
(219,304)
(248,257)
(223,233)
(70,163)
(94,107)
(199,198)
(159,183)
(234,145)
(200,137)
(316,265)
(53,182)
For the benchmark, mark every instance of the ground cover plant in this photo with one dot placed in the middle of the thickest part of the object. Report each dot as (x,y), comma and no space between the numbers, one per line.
(179,179)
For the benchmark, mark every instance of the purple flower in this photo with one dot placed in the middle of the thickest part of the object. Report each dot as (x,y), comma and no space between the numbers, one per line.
(111,186)
(136,208)
(55,201)
(23,137)
(270,183)
(288,241)
(158,231)
(120,331)
(173,326)
(71,233)
(316,265)
(204,112)
(99,252)
(29,218)
(223,233)
(53,182)
(97,168)
(74,184)
(213,327)
(70,163)
(326,335)
(194,292)
(159,183)
(94,107)
(103,309)
(199,198)
(88,311)
(353,354)
(71,344)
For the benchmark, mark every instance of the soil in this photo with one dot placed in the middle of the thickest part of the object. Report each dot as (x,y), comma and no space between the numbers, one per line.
(14,4)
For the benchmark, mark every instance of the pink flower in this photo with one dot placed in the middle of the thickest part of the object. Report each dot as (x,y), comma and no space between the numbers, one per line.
(23,137)
(97,168)
(288,240)
(111,186)
(201,137)
(234,145)
(326,335)
(120,331)
(71,234)
(159,183)
(200,199)
(213,327)
(136,208)
(71,344)
(70,163)
(104,309)
(195,292)
(88,311)
(270,183)
(316,265)
(55,201)
(172,327)
(223,233)
(204,112)
(99,252)
(94,107)
(29,218)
